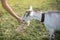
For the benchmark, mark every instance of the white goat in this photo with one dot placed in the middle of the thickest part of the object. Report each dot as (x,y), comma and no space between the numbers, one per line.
(51,19)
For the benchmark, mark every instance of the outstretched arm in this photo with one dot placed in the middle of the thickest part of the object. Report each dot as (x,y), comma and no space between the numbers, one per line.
(9,9)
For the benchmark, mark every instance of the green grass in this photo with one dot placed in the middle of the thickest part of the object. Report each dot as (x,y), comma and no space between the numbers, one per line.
(35,31)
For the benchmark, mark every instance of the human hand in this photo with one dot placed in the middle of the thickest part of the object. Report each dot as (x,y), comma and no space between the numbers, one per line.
(20,21)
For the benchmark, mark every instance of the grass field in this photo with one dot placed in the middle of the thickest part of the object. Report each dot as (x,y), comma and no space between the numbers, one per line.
(35,31)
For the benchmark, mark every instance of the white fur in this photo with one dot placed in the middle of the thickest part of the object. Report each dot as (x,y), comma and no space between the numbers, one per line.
(52,20)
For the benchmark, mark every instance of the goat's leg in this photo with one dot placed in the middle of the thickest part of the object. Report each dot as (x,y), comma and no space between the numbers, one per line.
(51,35)
(28,23)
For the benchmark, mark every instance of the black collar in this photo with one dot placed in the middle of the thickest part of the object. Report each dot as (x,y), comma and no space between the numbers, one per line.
(43,17)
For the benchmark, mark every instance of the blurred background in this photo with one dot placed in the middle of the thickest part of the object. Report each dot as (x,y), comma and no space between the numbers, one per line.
(36,31)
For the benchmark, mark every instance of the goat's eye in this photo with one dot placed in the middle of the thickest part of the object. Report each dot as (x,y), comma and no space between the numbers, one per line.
(28,13)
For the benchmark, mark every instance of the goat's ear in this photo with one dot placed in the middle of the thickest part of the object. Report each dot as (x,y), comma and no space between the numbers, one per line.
(30,7)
